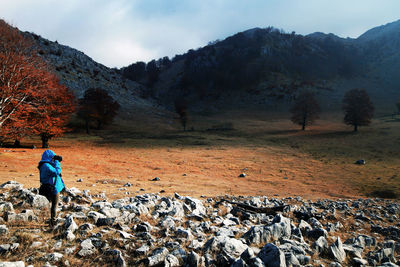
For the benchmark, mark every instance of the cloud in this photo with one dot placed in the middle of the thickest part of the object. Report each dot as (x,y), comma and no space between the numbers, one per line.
(120,32)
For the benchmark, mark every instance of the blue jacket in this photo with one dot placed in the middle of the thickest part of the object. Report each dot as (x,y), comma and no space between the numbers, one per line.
(50,171)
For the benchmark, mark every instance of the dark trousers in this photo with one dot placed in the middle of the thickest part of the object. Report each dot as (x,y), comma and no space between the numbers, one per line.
(54,203)
(47,191)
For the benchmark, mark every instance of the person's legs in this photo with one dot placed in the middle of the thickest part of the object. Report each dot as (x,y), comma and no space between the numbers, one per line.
(54,204)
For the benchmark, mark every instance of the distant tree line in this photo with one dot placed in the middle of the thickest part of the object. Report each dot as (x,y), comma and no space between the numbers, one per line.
(246,60)
(146,73)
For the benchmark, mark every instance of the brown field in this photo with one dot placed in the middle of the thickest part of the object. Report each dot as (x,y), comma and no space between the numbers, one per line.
(278,159)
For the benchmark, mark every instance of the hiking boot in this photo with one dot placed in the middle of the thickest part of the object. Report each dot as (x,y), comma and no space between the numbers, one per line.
(52,222)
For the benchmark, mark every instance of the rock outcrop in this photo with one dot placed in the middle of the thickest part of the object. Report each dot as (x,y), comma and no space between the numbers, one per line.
(155,230)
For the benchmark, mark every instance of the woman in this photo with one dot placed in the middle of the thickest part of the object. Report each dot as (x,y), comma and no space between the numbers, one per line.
(51,183)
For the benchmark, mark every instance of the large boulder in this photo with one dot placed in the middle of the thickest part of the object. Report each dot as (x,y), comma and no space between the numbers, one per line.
(12,185)
(158,257)
(272,256)
(230,246)
(336,251)
(279,228)
(40,202)
(12,264)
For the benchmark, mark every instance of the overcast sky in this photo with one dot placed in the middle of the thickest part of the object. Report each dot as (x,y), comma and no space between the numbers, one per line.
(117,33)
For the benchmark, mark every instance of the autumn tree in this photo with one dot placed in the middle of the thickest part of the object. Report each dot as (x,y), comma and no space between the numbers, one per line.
(358,108)
(305,109)
(29,92)
(181,107)
(97,106)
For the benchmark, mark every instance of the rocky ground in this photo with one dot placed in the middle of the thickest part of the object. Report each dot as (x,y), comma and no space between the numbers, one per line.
(152,230)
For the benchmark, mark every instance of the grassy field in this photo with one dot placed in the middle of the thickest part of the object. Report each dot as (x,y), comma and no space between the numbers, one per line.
(277,158)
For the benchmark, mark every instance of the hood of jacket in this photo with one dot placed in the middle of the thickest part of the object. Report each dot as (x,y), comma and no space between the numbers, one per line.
(47,156)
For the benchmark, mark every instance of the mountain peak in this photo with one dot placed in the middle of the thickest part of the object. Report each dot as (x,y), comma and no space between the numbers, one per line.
(381,31)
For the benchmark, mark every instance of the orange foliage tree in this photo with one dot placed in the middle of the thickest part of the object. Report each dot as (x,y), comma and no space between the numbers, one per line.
(31,99)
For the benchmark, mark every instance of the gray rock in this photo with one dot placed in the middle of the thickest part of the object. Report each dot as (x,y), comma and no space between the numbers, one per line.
(320,245)
(360,162)
(158,257)
(101,204)
(53,257)
(12,185)
(4,248)
(105,222)
(358,262)
(125,235)
(167,223)
(95,215)
(317,233)
(12,264)
(184,233)
(239,263)
(69,235)
(336,251)
(195,206)
(110,212)
(171,261)
(70,224)
(272,256)
(248,254)
(87,248)
(280,228)
(230,246)
(192,259)
(3,229)
(6,206)
(40,202)
(143,250)
(24,216)
(118,259)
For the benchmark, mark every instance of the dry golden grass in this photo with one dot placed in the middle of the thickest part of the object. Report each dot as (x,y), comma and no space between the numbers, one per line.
(277,158)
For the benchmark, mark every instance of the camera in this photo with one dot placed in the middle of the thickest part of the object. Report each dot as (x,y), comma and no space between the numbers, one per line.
(57,157)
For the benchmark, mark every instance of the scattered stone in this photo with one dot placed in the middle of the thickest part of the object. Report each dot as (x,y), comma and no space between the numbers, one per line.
(12,264)
(360,162)
(3,229)
(158,257)
(242,175)
(156,179)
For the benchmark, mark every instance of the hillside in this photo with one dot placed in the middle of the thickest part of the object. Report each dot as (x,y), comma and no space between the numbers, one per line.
(79,72)
(266,67)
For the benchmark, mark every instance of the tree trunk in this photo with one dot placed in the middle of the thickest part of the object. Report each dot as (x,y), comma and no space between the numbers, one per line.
(17,143)
(99,125)
(303,126)
(45,141)
(355,127)
(87,126)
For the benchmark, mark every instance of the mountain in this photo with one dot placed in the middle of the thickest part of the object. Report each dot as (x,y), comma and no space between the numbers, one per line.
(79,72)
(381,48)
(266,67)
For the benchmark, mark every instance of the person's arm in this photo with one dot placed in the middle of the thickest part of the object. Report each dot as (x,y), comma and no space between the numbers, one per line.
(57,167)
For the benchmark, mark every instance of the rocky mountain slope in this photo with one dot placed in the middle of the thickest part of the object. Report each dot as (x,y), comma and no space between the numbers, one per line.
(157,230)
(267,66)
(79,72)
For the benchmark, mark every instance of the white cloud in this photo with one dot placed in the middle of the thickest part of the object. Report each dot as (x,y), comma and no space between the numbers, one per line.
(120,32)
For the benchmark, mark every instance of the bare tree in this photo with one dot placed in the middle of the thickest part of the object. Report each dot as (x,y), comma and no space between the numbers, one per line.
(181,108)
(358,108)
(305,109)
